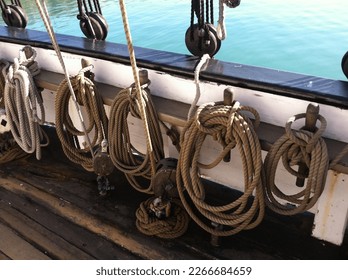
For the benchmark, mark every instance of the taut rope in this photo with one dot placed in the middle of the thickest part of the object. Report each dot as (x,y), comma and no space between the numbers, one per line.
(41,4)
(145,111)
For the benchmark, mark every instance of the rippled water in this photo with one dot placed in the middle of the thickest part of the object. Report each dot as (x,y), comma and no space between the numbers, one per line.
(304,36)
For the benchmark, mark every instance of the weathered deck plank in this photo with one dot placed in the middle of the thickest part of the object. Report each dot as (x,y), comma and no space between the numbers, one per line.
(16,247)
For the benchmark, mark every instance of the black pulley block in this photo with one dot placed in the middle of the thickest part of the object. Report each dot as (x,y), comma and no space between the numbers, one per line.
(202,40)
(15,16)
(94,26)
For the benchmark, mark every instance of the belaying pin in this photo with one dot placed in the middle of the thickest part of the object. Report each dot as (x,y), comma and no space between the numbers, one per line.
(312,113)
(228,101)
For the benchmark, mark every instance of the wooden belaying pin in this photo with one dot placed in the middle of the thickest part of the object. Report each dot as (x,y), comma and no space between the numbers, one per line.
(312,113)
(228,101)
(143,77)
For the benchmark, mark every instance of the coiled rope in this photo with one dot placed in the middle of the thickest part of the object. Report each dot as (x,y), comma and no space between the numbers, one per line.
(137,100)
(23,103)
(294,148)
(123,154)
(231,127)
(42,7)
(171,227)
(90,100)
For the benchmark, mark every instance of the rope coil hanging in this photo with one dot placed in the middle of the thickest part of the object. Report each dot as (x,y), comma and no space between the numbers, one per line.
(230,126)
(23,103)
(123,154)
(42,7)
(297,148)
(144,109)
(88,97)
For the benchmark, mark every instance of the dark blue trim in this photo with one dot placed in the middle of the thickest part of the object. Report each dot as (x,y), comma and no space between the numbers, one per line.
(310,88)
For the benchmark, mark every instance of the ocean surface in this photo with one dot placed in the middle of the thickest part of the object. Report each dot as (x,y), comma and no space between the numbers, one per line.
(303,36)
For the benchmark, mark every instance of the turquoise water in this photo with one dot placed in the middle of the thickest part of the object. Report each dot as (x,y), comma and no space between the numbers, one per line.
(303,36)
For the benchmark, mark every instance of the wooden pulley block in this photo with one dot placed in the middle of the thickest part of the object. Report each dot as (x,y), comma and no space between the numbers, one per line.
(102,163)
(94,26)
(164,181)
(15,16)
(202,40)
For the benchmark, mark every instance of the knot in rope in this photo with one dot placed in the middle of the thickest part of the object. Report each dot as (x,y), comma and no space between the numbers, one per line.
(172,226)
(231,127)
(296,148)
(22,101)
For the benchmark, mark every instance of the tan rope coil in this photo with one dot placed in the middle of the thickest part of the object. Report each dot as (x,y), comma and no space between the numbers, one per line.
(90,100)
(296,147)
(123,154)
(24,104)
(171,227)
(231,127)
(137,85)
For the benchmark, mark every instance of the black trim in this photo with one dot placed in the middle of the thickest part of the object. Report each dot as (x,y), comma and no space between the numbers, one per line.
(310,88)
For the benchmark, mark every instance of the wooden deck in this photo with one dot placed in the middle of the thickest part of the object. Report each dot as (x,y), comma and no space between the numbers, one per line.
(51,209)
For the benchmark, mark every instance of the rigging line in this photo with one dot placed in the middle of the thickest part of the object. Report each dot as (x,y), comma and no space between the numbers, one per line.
(137,84)
(198,69)
(97,6)
(41,4)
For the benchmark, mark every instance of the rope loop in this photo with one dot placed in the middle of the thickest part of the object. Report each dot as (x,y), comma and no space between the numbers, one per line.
(297,148)
(231,127)
(298,136)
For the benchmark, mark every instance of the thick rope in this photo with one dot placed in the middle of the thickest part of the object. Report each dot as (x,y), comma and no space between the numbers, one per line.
(205,58)
(123,154)
(41,4)
(294,148)
(88,97)
(230,126)
(141,103)
(23,103)
(169,228)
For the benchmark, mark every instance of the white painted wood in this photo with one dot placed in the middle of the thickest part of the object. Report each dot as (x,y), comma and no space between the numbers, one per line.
(331,216)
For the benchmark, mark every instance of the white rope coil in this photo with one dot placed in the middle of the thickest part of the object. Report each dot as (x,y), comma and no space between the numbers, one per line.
(24,105)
